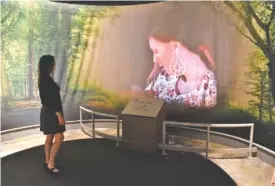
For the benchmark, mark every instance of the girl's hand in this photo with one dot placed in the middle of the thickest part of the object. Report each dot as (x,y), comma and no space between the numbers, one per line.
(60,119)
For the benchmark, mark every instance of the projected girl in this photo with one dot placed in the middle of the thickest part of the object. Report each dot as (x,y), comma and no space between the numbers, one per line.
(180,75)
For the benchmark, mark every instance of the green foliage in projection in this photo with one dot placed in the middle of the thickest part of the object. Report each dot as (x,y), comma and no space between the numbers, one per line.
(30,29)
(262,106)
(10,16)
(255,20)
(13,47)
(108,101)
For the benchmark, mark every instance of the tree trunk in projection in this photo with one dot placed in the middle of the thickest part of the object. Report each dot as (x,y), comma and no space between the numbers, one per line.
(5,90)
(53,24)
(123,56)
(261,104)
(271,74)
(88,58)
(56,32)
(63,46)
(30,56)
(71,75)
(270,106)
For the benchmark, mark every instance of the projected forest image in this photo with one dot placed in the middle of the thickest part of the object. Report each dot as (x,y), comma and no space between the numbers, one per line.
(215,66)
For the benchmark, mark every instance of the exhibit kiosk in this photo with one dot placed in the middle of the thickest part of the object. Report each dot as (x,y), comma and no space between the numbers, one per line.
(142,124)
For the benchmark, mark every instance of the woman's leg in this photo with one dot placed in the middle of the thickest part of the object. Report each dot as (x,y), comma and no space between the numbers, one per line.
(58,139)
(48,146)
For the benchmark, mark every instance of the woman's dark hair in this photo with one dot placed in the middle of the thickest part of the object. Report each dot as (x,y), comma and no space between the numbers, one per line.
(164,38)
(45,67)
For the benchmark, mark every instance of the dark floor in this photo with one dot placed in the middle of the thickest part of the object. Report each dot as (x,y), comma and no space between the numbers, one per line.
(101,163)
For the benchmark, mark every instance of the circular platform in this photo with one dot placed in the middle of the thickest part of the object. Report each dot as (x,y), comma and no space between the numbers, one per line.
(101,163)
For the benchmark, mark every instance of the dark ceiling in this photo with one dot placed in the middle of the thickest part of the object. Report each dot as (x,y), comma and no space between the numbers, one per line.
(106,3)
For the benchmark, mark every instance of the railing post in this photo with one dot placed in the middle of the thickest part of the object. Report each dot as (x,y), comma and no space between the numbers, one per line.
(207,142)
(163,138)
(251,140)
(118,132)
(93,123)
(80,116)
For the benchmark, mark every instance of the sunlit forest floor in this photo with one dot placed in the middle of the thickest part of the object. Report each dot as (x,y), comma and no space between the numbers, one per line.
(24,104)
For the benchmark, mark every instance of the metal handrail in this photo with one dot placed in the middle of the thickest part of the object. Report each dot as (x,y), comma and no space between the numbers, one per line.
(208,127)
(233,137)
(100,114)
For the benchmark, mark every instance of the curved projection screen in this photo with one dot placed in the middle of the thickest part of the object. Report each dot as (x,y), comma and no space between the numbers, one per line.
(196,56)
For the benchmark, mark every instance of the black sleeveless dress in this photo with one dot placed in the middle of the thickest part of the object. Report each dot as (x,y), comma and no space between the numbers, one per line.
(51,103)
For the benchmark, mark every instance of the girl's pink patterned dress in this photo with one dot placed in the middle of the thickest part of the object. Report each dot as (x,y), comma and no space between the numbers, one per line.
(204,96)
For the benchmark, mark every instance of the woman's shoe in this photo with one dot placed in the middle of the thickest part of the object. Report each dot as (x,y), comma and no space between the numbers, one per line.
(46,166)
(53,170)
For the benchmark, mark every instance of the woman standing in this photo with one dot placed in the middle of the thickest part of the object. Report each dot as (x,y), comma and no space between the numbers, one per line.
(52,122)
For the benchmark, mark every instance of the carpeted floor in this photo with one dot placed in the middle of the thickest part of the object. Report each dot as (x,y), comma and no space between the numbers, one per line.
(101,163)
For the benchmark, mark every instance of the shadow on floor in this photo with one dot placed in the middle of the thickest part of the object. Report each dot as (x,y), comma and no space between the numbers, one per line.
(101,163)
